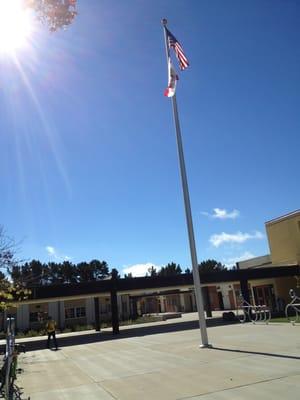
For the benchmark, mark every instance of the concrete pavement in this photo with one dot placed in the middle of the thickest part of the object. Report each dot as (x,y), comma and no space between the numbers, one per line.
(163,361)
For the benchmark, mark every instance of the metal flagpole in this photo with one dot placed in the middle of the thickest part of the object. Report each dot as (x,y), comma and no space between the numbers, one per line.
(188,213)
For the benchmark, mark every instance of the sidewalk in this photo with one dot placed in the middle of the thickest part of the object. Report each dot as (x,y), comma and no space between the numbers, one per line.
(163,361)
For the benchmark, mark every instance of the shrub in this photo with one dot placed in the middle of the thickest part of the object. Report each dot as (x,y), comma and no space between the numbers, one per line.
(32,333)
(66,330)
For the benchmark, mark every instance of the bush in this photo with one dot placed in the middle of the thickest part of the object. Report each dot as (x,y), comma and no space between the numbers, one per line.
(32,333)
(105,325)
(66,330)
(78,328)
(29,333)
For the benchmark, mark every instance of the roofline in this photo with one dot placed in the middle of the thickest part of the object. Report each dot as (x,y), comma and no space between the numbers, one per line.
(121,286)
(282,217)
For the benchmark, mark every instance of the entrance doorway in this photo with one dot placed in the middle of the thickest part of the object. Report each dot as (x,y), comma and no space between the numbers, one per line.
(264,295)
(221,302)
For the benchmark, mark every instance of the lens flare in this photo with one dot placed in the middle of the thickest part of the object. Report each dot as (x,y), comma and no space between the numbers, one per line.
(16,25)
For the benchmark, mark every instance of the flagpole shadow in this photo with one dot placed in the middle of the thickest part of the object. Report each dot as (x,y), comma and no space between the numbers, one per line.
(260,353)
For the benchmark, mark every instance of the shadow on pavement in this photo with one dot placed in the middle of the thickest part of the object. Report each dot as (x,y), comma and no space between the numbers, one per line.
(257,353)
(139,331)
(125,332)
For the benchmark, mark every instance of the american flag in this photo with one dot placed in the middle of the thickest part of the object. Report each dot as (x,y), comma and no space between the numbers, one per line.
(174,44)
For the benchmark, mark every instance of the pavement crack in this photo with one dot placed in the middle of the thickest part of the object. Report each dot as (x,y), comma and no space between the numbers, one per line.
(107,391)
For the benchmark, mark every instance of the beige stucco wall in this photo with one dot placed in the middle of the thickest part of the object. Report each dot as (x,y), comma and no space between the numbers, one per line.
(284,239)
(283,286)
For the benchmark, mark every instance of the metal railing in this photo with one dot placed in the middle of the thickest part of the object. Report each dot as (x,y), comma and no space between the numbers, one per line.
(292,310)
(9,368)
(9,356)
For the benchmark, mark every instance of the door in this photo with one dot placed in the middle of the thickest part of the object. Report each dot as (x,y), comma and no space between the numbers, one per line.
(221,302)
(264,295)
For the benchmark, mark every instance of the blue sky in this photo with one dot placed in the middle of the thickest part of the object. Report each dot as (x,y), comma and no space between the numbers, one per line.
(88,155)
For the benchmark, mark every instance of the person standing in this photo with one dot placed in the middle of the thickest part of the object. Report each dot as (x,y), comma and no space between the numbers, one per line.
(50,329)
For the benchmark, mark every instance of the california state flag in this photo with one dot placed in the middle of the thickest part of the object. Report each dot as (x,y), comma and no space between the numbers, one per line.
(173,78)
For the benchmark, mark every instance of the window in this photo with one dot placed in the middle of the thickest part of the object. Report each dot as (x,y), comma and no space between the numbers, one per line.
(69,313)
(237,293)
(80,312)
(105,308)
(33,317)
(38,316)
(75,312)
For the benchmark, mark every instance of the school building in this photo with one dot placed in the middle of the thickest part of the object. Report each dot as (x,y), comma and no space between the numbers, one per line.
(261,280)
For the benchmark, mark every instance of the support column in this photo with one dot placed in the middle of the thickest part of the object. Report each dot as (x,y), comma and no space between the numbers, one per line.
(114,303)
(61,314)
(207,305)
(119,301)
(182,302)
(90,311)
(162,303)
(22,317)
(225,293)
(245,289)
(245,294)
(133,308)
(97,314)
(193,299)
(127,305)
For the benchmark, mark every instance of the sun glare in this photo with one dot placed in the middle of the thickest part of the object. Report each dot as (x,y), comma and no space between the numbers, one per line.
(15,25)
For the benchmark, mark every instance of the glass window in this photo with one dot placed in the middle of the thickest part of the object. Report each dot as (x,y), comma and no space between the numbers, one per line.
(33,317)
(80,312)
(75,312)
(37,316)
(105,308)
(69,313)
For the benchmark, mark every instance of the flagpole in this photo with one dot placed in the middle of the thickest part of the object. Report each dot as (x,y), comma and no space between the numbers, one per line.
(188,213)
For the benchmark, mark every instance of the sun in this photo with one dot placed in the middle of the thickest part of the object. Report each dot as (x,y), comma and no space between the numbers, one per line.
(16,25)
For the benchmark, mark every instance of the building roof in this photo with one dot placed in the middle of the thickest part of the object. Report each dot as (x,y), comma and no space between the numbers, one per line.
(105,287)
(292,214)
(255,262)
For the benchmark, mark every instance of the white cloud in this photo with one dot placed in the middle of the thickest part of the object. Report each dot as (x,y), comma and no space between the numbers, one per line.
(224,214)
(230,262)
(52,252)
(221,213)
(239,237)
(139,269)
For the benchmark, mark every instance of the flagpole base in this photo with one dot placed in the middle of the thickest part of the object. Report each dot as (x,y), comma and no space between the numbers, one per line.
(205,346)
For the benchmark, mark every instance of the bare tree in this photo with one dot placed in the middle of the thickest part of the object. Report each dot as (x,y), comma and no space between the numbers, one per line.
(7,252)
